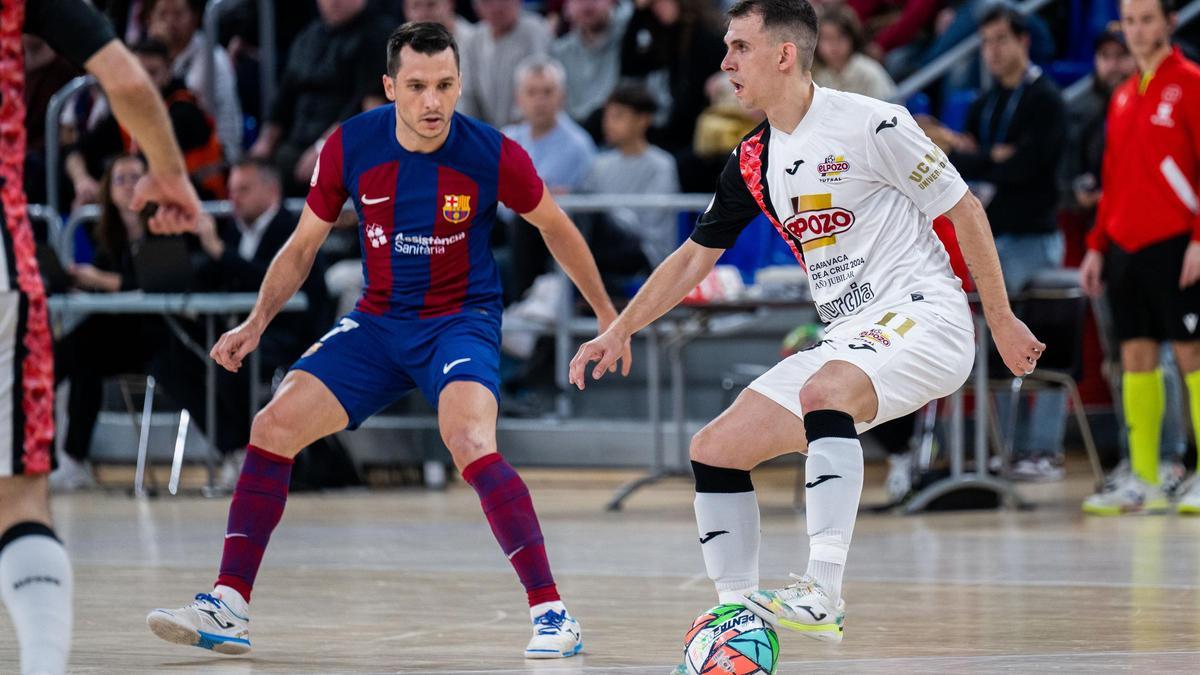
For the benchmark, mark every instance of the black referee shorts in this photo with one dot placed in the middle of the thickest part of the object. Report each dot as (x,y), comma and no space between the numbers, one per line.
(1143,292)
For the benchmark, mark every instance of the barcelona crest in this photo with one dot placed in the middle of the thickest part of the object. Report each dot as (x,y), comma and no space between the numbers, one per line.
(456,208)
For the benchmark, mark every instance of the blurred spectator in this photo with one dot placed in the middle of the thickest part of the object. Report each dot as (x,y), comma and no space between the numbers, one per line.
(591,53)
(840,63)
(637,239)
(104,345)
(237,254)
(674,46)
(440,11)
(1016,136)
(505,36)
(193,127)
(719,129)
(45,74)
(896,23)
(333,65)
(1086,121)
(177,24)
(562,152)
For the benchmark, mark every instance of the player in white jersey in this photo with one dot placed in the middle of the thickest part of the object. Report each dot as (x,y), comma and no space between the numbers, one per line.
(852,185)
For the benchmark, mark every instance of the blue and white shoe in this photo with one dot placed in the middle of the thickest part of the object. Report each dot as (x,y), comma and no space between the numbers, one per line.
(556,635)
(209,623)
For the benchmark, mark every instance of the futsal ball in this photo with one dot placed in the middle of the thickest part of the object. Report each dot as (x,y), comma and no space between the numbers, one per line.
(730,640)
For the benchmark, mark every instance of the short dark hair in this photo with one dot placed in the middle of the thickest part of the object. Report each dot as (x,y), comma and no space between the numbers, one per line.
(793,20)
(152,47)
(265,169)
(635,97)
(1017,23)
(423,37)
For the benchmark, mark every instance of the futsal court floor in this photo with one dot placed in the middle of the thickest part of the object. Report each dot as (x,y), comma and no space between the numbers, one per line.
(409,581)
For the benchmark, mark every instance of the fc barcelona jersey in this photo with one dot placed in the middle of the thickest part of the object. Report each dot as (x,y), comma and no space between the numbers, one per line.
(425,219)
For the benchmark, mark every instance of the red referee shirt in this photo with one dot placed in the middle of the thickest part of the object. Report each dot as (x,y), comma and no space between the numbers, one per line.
(1151,159)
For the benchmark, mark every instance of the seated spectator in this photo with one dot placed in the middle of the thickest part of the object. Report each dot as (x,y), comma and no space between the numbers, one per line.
(840,62)
(673,46)
(899,23)
(1016,137)
(562,152)
(591,53)
(505,36)
(719,129)
(333,65)
(638,239)
(237,254)
(45,74)
(104,345)
(1086,124)
(440,11)
(194,130)
(177,24)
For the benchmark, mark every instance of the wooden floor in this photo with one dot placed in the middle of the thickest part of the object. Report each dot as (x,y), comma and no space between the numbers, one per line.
(411,582)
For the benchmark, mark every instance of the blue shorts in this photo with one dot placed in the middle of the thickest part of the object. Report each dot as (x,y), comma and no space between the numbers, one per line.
(369,362)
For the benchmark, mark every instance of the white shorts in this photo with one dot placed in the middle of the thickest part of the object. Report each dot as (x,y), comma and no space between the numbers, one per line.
(911,354)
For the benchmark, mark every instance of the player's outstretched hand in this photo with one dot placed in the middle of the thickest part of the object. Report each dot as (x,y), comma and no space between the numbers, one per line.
(178,205)
(1017,345)
(626,353)
(606,350)
(234,346)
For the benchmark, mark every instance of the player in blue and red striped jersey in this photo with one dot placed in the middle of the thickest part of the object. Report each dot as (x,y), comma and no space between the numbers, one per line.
(425,183)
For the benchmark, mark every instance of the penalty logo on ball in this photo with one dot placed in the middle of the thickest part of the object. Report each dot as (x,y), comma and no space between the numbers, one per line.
(730,640)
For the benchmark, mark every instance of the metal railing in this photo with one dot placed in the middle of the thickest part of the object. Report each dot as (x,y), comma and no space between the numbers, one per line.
(930,73)
(53,140)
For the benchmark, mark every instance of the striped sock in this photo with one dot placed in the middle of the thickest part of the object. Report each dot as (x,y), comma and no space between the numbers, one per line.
(509,510)
(257,506)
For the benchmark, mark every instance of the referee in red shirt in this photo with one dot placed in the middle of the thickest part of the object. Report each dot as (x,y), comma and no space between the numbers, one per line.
(1146,244)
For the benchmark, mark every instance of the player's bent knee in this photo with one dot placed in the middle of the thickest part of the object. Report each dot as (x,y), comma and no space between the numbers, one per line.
(819,394)
(25,499)
(708,448)
(467,446)
(272,432)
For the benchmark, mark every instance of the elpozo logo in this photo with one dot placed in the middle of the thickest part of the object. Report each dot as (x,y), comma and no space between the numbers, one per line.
(817,222)
(832,169)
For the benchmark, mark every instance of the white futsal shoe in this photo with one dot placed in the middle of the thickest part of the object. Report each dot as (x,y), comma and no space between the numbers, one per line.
(209,623)
(803,607)
(556,635)
(1126,494)
(1189,502)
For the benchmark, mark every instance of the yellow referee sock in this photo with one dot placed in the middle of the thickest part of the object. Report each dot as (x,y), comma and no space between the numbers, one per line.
(1192,380)
(1145,402)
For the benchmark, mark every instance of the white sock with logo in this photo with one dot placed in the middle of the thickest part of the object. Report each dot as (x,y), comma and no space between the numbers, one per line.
(727,519)
(36,584)
(833,487)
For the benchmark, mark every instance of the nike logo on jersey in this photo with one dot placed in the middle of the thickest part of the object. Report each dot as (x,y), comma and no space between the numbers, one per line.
(815,616)
(820,479)
(795,167)
(213,615)
(712,535)
(887,125)
(446,368)
(371,202)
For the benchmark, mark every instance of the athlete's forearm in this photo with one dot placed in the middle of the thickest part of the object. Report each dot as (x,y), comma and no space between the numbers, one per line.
(568,247)
(979,252)
(137,105)
(669,284)
(285,276)
(290,267)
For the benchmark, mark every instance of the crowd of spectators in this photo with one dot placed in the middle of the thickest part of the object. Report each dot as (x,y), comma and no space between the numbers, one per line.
(607,96)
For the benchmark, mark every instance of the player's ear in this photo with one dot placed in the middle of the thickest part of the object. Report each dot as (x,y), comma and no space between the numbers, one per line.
(389,88)
(788,55)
